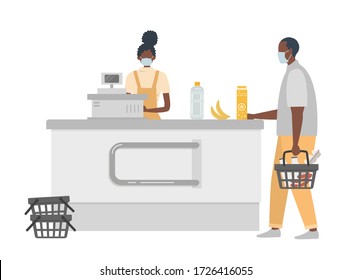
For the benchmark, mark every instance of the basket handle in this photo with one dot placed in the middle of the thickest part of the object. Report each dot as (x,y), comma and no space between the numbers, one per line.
(64,202)
(37,219)
(68,223)
(31,206)
(290,151)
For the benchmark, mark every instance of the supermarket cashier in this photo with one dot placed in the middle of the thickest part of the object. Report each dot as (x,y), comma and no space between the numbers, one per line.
(149,81)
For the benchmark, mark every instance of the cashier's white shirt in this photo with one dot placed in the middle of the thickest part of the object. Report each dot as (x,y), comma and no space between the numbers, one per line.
(146,78)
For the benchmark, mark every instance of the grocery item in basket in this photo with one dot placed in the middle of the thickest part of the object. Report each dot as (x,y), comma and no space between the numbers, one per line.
(303,180)
(314,157)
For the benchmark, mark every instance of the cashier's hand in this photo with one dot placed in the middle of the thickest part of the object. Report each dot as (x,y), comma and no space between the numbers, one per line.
(250,116)
(295,150)
(145,109)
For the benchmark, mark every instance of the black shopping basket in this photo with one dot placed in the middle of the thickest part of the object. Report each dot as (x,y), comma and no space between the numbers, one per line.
(296,176)
(55,205)
(51,226)
(50,219)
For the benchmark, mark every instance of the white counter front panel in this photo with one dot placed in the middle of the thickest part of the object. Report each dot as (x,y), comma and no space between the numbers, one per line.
(229,166)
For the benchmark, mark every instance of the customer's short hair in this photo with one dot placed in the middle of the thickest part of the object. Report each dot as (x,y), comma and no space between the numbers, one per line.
(292,43)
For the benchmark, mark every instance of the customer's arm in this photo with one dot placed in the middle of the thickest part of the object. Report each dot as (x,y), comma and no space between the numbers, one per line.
(297,118)
(269,115)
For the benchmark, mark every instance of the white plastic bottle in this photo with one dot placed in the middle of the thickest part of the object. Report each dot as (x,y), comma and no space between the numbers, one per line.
(197,102)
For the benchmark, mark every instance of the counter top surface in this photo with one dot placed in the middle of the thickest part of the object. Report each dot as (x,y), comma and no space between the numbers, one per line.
(109,96)
(153,124)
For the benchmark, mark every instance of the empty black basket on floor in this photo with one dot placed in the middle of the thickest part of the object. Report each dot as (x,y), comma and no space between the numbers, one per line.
(51,226)
(50,219)
(55,205)
(296,176)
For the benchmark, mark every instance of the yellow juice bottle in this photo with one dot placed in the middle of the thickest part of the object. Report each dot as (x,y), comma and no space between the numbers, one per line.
(241,103)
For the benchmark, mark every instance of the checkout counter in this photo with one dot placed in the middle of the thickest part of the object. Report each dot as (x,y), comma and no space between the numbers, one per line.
(124,172)
(138,174)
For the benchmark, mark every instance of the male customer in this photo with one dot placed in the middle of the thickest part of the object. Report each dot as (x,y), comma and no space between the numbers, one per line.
(296,129)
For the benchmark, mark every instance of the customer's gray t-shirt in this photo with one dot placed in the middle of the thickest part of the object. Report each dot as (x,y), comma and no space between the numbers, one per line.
(297,91)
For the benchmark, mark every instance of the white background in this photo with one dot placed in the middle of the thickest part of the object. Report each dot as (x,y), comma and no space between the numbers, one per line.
(51,56)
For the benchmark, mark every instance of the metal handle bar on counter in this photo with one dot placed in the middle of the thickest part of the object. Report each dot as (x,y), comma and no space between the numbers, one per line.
(151,145)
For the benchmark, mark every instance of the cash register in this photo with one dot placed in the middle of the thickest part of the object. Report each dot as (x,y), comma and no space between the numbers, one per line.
(113,102)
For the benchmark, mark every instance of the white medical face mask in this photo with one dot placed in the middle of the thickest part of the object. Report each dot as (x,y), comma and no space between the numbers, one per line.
(282,58)
(146,61)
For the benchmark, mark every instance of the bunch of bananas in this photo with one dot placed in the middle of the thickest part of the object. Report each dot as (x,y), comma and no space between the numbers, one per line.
(219,115)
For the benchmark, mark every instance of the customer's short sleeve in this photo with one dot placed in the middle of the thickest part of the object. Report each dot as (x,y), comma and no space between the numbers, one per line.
(296,89)
(131,85)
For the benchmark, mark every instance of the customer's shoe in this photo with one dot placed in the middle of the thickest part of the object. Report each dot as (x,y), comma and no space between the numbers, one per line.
(308,235)
(270,233)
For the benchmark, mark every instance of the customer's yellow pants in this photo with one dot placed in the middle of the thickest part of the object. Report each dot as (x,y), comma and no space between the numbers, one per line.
(303,197)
